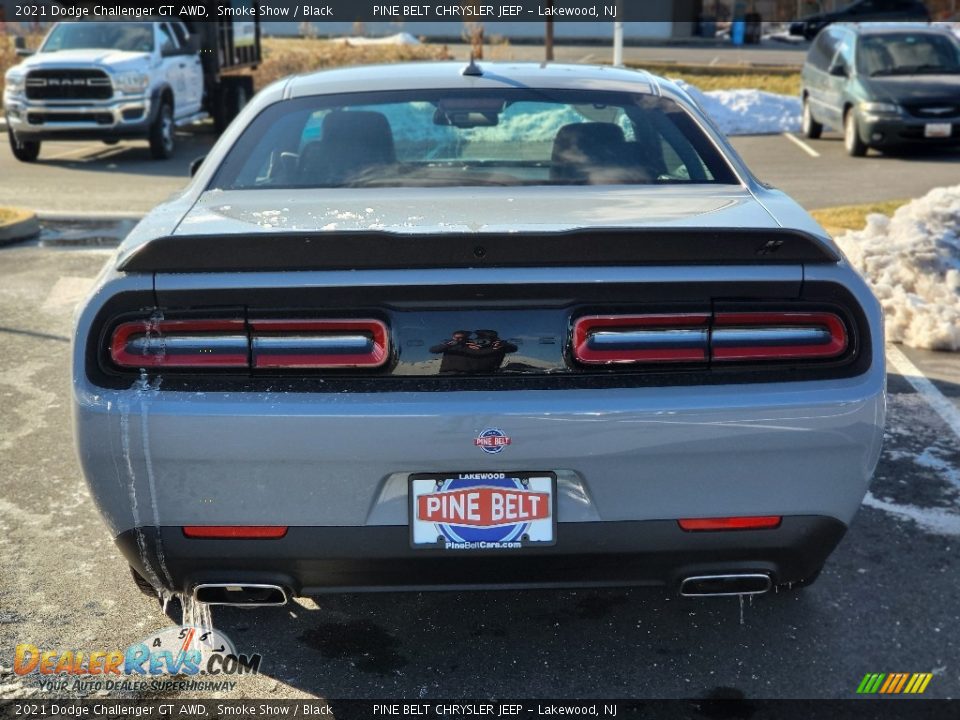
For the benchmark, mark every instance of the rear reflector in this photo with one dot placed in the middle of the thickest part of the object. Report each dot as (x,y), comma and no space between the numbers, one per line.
(607,339)
(777,336)
(319,343)
(180,343)
(731,523)
(235,531)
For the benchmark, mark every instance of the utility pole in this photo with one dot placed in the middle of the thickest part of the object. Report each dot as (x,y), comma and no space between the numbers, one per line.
(618,37)
(548,39)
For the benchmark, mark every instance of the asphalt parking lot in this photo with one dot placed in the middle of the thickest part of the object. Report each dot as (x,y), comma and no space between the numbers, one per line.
(886,601)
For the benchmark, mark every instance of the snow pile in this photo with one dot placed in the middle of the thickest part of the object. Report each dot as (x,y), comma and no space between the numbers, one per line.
(912,262)
(748,112)
(401,38)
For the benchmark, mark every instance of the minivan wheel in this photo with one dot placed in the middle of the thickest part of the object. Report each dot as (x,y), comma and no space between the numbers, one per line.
(851,135)
(810,127)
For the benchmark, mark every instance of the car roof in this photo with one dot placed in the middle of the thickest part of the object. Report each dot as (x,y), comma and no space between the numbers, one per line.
(447,75)
(886,28)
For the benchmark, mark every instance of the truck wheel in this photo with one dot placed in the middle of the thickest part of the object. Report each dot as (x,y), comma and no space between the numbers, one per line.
(24,150)
(810,127)
(162,133)
(851,135)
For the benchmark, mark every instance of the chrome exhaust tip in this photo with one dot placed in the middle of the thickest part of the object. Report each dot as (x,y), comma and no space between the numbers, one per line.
(242,594)
(724,585)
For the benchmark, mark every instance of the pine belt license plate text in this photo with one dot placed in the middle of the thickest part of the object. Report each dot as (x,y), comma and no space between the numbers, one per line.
(482,510)
(938,130)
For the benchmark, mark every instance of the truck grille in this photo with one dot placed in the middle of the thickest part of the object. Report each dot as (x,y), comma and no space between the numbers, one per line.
(66,84)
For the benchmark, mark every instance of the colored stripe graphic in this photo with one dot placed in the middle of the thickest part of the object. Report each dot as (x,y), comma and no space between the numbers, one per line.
(894,683)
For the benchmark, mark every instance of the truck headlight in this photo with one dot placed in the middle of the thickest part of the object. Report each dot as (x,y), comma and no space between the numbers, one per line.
(14,82)
(880,108)
(131,82)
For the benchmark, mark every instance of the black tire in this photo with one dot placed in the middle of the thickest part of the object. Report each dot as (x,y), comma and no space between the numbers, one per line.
(852,141)
(173,608)
(811,128)
(162,133)
(24,150)
(234,96)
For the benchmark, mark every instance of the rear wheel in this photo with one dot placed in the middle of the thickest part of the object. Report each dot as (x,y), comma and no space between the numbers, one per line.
(851,135)
(24,150)
(810,127)
(162,133)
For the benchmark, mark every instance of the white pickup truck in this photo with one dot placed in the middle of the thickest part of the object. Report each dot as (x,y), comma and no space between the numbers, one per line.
(116,80)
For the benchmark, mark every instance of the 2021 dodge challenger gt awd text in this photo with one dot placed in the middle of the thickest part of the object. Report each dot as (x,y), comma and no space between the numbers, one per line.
(420,326)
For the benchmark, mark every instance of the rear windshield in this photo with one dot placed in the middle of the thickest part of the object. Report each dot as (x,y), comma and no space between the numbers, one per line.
(472,138)
(908,54)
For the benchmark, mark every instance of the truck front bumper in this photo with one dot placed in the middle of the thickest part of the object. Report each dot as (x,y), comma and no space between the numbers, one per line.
(34,120)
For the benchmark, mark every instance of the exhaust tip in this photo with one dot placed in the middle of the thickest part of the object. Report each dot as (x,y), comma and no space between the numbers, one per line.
(721,585)
(244,594)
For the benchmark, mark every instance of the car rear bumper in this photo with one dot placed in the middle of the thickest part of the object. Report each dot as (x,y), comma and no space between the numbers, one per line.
(313,560)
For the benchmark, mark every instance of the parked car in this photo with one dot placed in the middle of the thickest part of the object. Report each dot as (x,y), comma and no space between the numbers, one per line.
(422,326)
(114,80)
(885,86)
(862,11)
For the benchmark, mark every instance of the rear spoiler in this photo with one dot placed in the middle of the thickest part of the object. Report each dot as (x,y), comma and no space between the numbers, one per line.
(374,249)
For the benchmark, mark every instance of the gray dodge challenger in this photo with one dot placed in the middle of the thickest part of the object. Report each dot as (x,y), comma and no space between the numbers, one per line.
(430,326)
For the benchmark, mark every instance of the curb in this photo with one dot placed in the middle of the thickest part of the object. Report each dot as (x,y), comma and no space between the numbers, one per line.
(92,216)
(18,230)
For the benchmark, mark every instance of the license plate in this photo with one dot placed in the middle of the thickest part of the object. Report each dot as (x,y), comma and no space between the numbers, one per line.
(476,511)
(938,130)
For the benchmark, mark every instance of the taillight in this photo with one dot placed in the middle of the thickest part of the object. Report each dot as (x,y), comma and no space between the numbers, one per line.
(777,336)
(259,344)
(731,523)
(250,532)
(606,339)
(723,337)
(318,343)
(180,344)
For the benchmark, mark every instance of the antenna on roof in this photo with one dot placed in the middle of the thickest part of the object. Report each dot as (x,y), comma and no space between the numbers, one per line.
(472,70)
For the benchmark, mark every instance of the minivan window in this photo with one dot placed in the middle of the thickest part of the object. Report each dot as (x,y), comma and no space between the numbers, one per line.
(823,50)
(908,54)
(456,138)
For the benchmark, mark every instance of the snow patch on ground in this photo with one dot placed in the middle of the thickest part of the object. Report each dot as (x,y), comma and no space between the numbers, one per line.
(912,262)
(748,112)
(401,38)
(935,520)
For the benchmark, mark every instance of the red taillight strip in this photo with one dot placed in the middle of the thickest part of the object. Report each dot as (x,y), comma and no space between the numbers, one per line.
(778,336)
(180,333)
(672,337)
(318,343)
(259,532)
(731,523)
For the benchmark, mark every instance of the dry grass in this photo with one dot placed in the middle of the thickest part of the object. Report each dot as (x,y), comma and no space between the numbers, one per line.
(785,81)
(9,215)
(288,56)
(837,220)
(8,56)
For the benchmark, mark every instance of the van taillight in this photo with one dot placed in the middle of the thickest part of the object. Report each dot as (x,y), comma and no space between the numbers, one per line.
(722,337)
(180,344)
(259,344)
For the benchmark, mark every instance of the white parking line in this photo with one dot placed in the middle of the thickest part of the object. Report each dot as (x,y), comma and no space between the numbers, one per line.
(935,399)
(801,144)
